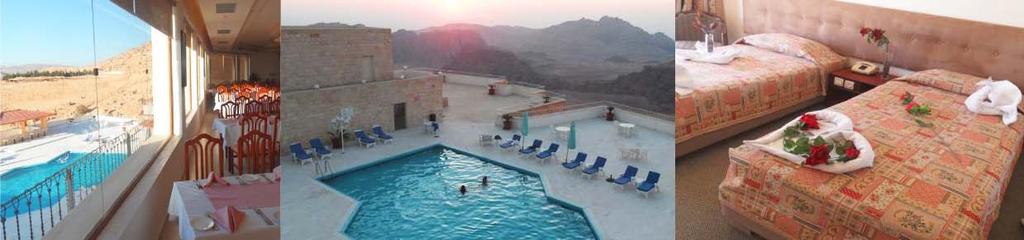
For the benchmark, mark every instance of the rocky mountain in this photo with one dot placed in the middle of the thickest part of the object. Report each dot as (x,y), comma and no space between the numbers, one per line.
(580,50)
(653,82)
(26,68)
(462,50)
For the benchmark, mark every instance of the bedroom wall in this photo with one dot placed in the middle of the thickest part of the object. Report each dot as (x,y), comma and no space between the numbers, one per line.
(1004,12)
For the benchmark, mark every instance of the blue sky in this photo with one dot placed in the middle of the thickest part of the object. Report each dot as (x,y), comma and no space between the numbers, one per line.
(61,31)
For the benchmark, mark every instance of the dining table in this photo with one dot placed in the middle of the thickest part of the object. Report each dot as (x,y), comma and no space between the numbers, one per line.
(258,196)
(229,128)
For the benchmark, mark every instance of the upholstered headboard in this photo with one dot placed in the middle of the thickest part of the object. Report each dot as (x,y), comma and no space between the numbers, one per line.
(919,41)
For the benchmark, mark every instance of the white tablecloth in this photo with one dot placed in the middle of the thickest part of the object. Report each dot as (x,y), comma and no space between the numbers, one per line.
(626,129)
(229,129)
(188,201)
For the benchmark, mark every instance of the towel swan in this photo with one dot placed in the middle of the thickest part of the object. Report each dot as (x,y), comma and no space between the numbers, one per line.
(995,98)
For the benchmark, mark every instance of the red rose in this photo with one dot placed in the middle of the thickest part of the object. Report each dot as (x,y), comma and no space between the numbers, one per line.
(810,121)
(852,152)
(864,31)
(911,106)
(877,34)
(905,96)
(818,155)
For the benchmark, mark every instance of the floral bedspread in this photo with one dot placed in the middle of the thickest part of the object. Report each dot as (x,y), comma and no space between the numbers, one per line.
(939,182)
(757,83)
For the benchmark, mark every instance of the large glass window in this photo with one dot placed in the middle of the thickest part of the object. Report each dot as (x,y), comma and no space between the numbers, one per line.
(76,101)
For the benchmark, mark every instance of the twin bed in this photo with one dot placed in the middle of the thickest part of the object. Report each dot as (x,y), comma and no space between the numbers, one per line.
(940,182)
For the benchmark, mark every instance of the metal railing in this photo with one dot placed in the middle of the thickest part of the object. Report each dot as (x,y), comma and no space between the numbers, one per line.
(32,213)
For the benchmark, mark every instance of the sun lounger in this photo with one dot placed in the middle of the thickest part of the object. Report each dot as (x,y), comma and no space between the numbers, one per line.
(626,177)
(548,153)
(512,142)
(651,183)
(380,134)
(366,141)
(321,151)
(596,167)
(532,148)
(299,154)
(580,157)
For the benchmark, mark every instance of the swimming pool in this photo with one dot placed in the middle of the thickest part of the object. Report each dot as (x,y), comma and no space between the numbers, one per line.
(17,181)
(416,196)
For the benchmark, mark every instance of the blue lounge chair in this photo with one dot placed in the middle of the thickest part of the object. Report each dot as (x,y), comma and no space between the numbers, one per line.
(548,153)
(597,167)
(299,154)
(580,157)
(532,148)
(377,130)
(626,177)
(651,183)
(321,151)
(365,140)
(511,142)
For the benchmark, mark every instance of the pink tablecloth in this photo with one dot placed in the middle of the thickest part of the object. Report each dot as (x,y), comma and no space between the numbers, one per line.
(254,195)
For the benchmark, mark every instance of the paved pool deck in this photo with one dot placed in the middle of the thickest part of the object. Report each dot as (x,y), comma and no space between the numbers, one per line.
(62,136)
(311,210)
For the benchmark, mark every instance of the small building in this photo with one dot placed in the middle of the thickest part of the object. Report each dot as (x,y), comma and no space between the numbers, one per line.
(328,68)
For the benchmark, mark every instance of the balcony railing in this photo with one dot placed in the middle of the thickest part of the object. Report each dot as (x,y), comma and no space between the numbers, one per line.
(32,213)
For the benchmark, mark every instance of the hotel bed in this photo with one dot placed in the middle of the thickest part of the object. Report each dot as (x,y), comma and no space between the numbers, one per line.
(942,182)
(945,181)
(773,73)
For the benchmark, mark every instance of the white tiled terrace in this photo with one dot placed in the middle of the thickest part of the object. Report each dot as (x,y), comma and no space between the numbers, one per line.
(314,211)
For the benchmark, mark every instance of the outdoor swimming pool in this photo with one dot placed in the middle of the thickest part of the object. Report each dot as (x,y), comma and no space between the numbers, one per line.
(417,195)
(17,181)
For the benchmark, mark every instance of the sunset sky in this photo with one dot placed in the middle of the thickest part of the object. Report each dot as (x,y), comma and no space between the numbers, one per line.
(651,15)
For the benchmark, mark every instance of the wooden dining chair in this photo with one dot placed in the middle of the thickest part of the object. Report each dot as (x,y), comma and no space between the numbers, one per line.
(254,108)
(254,123)
(230,109)
(203,154)
(255,153)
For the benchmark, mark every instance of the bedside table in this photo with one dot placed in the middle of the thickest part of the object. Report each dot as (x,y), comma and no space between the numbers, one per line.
(856,83)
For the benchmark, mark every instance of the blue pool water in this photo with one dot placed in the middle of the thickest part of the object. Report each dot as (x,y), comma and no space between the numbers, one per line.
(417,197)
(17,181)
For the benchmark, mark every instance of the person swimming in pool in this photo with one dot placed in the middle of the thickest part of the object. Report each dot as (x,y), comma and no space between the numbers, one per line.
(484,181)
(462,189)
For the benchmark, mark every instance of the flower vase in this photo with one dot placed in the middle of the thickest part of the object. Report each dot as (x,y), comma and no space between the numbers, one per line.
(886,65)
(709,40)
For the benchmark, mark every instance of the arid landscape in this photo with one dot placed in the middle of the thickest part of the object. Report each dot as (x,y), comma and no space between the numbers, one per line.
(122,88)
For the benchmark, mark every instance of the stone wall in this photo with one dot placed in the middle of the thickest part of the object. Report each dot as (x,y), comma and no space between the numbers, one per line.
(331,57)
(307,113)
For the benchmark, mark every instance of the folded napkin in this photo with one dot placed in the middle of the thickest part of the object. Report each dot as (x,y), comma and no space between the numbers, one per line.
(773,145)
(229,218)
(214,179)
(995,98)
(277,173)
(722,56)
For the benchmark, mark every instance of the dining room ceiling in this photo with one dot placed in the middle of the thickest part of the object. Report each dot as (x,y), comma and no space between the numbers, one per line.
(242,25)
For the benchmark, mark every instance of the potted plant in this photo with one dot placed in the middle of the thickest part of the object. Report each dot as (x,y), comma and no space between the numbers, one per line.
(338,127)
(490,89)
(610,115)
(507,124)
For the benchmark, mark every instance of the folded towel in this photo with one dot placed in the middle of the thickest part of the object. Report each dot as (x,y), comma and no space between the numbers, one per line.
(995,98)
(723,56)
(773,145)
(229,218)
(212,179)
(828,121)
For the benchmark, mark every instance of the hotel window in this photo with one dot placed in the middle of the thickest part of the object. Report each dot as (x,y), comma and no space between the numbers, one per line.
(76,103)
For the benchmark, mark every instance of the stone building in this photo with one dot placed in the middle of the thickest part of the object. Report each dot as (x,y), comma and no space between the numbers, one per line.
(327,68)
